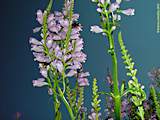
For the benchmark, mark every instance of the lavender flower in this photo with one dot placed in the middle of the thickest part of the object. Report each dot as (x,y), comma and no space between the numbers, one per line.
(113,7)
(96,29)
(82,80)
(39,83)
(40,16)
(128,11)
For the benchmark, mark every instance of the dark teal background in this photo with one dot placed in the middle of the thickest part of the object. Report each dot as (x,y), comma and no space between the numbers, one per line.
(17,18)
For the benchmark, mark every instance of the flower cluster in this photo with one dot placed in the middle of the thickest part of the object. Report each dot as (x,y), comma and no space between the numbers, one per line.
(61,50)
(110,15)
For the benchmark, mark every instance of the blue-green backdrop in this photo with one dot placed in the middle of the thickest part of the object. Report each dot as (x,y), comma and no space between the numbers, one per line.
(17,18)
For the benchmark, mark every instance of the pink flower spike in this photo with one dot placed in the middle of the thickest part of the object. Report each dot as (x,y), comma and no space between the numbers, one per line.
(128,12)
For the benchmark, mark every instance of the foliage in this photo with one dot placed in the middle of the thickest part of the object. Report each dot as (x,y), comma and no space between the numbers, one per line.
(135,89)
(95,97)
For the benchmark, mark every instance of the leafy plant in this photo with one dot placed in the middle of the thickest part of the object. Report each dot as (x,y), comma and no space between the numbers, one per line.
(96,101)
(135,89)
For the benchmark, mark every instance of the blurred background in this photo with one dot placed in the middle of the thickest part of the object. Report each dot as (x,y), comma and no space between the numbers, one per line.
(17,18)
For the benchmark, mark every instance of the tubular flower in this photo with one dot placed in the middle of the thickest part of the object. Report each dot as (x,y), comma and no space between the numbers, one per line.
(65,56)
(96,29)
(39,83)
(128,11)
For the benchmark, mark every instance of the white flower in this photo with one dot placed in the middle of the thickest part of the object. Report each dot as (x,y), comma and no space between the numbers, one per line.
(128,11)
(96,29)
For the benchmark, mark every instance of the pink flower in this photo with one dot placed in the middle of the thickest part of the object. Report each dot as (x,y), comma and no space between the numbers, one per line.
(34,41)
(58,65)
(37,48)
(83,82)
(40,16)
(39,83)
(96,29)
(50,92)
(71,73)
(43,72)
(113,7)
(128,11)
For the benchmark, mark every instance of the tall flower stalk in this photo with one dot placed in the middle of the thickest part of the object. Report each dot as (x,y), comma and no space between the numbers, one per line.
(60,57)
(109,13)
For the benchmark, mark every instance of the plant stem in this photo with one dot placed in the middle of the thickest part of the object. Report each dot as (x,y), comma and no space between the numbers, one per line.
(117,98)
(66,103)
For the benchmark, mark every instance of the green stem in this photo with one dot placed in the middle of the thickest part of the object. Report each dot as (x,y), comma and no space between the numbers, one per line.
(66,104)
(117,98)
(70,24)
(56,101)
